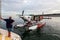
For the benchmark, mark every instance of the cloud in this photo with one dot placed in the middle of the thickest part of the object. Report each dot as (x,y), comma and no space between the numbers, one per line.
(35,5)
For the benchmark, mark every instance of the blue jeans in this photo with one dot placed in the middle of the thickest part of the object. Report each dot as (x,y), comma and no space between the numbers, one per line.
(9,29)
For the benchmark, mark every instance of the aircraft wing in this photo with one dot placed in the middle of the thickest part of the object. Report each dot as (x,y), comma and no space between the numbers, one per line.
(50,15)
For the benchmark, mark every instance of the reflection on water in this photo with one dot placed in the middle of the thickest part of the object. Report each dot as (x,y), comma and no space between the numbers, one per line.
(52,26)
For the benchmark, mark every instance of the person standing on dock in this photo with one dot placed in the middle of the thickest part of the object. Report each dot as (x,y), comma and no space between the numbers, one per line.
(9,22)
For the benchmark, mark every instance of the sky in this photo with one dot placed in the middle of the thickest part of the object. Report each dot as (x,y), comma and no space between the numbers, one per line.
(11,7)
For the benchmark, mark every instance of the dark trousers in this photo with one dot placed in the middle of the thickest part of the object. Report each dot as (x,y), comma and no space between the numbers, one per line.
(9,32)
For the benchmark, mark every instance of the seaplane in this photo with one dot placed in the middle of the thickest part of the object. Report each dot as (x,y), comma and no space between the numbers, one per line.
(32,21)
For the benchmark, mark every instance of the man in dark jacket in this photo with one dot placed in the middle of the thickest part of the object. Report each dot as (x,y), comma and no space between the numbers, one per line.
(9,22)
